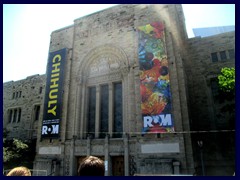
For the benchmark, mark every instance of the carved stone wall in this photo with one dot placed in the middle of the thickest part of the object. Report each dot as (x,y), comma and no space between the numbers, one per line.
(156,166)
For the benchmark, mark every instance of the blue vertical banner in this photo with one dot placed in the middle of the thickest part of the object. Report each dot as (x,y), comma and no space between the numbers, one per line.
(53,95)
(154,79)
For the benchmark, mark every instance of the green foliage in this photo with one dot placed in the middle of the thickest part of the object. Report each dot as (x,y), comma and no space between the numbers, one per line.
(13,149)
(226,79)
(226,82)
(17,152)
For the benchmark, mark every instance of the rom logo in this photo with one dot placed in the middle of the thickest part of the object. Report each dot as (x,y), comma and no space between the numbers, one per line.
(162,120)
(50,129)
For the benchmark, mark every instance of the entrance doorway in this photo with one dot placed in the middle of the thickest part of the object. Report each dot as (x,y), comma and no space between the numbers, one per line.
(117,165)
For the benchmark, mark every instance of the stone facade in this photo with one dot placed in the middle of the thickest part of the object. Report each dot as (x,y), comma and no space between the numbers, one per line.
(206,112)
(23,103)
(102,51)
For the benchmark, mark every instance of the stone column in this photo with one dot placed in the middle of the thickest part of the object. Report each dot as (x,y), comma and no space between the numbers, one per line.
(72,157)
(125,97)
(106,157)
(138,116)
(126,155)
(97,117)
(131,102)
(82,111)
(77,120)
(110,110)
(88,146)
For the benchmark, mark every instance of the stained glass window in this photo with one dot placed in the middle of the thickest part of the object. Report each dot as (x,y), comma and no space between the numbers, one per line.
(91,111)
(104,111)
(118,125)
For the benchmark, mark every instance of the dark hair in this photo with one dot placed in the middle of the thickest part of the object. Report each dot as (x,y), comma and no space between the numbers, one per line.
(91,166)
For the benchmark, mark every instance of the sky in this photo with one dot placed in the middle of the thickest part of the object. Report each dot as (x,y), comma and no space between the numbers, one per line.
(27,29)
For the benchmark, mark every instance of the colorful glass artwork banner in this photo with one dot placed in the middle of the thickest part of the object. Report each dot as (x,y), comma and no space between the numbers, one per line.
(154,79)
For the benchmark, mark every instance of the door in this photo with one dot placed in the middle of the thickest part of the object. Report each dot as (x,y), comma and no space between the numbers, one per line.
(118,166)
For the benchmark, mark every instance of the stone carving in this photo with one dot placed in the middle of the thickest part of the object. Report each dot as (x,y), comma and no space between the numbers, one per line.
(156,166)
(97,149)
(104,60)
(67,165)
(132,166)
(103,65)
(104,78)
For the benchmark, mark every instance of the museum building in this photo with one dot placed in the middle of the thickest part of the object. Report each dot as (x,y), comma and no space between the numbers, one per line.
(121,85)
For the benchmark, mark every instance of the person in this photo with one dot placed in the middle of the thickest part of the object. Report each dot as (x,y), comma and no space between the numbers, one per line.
(91,166)
(19,171)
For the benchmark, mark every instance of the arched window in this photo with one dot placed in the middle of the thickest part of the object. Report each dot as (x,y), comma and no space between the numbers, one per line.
(103,73)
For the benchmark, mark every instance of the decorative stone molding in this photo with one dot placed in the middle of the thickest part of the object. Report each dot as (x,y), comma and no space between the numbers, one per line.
(103,61)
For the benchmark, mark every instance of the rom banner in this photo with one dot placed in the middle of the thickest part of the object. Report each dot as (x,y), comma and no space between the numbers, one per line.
(154,79)
(53,94)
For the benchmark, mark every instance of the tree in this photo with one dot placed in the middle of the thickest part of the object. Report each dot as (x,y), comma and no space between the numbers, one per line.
(13,151)
(226,80)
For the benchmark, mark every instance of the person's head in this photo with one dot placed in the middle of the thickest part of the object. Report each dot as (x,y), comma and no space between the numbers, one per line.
(19,171)
(91,166)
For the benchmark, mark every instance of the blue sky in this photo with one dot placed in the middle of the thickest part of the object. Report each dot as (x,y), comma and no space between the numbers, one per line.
(27,30)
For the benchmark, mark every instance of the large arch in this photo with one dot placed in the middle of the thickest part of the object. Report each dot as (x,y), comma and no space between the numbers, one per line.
(103,60)
(104,65)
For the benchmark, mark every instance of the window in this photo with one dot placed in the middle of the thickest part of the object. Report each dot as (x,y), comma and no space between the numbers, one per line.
(118,126)
(99,98)
(91,111)
(10,116)
(223,55)
(17,94)
(36,112)
(40,90)
(14,115)
(19,115)
(104,111)
(231,53)
(214,88)
(214,57)
(104,72)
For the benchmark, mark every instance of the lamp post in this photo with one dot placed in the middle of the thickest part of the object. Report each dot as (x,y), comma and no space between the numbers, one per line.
(200,145)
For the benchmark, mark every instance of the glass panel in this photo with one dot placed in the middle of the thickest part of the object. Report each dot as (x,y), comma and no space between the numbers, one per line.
(37,112)
(10,116)
(104,111)
(214,57)
(223,55)
(118,125)
(91,111)
(15,115)
(40,90)
(214,88)
(231,53)
(19,115)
